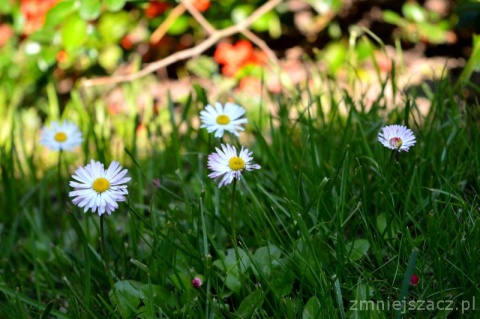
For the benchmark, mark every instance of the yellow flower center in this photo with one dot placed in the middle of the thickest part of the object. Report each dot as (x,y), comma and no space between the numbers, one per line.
(396,142)
(100,185)
(223,119)
(60,137)
(236,163)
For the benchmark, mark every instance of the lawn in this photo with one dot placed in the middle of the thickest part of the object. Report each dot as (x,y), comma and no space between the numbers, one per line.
(325,221)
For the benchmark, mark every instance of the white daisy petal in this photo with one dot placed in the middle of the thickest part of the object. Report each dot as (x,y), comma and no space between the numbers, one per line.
(64,136)
(220,118)
(226,165)
(397,137)
(98,189)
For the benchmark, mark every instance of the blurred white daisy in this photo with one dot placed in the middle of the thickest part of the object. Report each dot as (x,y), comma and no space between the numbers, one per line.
(61,136)
(220,118)
(397,137)
(99,189)
(227,163)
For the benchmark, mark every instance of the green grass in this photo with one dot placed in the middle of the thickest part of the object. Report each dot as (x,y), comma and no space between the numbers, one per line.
(330,224)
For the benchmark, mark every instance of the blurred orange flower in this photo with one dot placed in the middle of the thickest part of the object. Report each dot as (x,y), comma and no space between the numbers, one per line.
(6,33)
(155,8)
(127,42)
(250,85)
(202,5)
(62,56)
(34,12)
(234,57)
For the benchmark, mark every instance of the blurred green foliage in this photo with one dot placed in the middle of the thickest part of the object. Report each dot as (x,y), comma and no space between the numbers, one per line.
(418,24)
(62,40)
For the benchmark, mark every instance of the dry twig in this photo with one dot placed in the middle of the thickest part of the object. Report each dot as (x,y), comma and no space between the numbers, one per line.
(247,33)
(187,53)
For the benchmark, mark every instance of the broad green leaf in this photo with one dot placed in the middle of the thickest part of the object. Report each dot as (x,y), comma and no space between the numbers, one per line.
(312,308)
(48,55)
(59,13)
(414,12)
(110,57)
(291,308)
(364,49)
(6,6)
(281,281)
(43,35)
(325,6)
(126,296)
(388,231)
(115,5)
(74,32)
(229,263)
(432,32)
(232,281)
(382,223)
(357,249)
(180,282)
(392,18)
(241,12)
(250,304)
(113,26)
(90,9)
(202,66)
(154,297)
(275,27)
(231,267)
(262,23)
(334,55)
(180,26)
(266,258)
(268,22)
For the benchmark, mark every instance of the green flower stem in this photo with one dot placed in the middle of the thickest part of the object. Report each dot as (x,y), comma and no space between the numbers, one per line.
(106,259)
(234,231)
(60,180)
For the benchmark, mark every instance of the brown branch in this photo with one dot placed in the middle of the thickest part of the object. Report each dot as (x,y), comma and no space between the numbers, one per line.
(199,17)
(261,44)
(247,33)
(158,34)
(187,53)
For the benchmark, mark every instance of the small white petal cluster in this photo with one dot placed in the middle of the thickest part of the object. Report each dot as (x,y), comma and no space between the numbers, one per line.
(397,137)
(61,136)
(220,118)
(225,163)
(98,189)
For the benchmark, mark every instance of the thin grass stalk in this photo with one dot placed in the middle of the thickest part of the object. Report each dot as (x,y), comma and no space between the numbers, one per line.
(207,259)
(106,258)
(234,231)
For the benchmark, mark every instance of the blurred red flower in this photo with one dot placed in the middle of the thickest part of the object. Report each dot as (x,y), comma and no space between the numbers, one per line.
(236,56)
(155,8)
(6,33)
(202,5)
(62,56)
(34,12)
(127,42)
(250,85)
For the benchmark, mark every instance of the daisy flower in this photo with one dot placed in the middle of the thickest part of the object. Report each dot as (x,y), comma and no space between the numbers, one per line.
(397,137)
(219,119)
(227,163)
(61,136)
(99,189)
